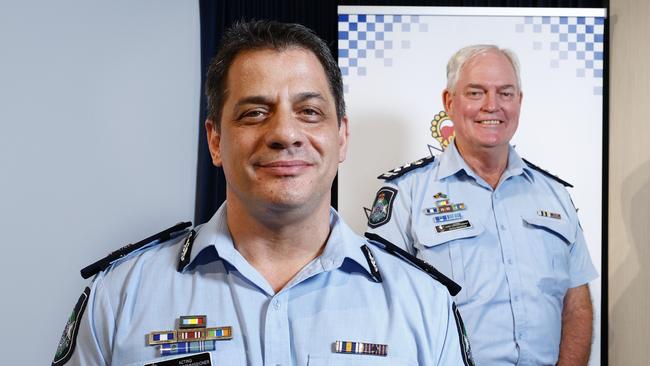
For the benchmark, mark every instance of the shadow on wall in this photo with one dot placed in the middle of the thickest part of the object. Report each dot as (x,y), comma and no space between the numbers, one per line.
(635,201)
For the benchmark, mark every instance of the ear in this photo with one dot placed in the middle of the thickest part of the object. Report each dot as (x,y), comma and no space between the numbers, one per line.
(214,141)
(344,133)
(447,98)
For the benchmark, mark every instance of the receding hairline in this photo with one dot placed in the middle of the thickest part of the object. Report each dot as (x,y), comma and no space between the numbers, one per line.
(466,55)
(496,52)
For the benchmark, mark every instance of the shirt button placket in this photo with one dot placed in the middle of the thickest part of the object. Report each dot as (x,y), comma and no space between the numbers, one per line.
(510,269)
(276,332)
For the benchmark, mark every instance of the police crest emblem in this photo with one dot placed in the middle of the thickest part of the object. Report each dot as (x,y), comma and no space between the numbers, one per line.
(381,209)
(442,129)
(69,337)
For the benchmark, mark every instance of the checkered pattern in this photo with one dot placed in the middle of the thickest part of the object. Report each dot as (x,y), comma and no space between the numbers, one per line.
(364,36)
(580,38)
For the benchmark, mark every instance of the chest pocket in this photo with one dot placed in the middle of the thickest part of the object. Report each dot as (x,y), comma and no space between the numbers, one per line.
(445,252)
(557,227)
(232,357)
(357,360)
(550,244)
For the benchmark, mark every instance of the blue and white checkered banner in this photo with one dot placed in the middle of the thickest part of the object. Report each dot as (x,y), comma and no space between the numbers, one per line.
(393,61)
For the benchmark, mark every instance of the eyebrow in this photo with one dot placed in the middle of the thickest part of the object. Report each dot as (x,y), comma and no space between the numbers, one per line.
(260,99)
(479,86)
(301,97)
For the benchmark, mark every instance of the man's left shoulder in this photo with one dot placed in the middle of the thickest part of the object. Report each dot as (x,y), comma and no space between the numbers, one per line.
(401,268)
(547,175)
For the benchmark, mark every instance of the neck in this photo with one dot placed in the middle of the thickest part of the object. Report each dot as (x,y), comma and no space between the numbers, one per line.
(487,163)
(278,243)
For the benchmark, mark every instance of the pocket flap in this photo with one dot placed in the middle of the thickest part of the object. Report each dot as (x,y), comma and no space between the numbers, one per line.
(558,227)
(430,237)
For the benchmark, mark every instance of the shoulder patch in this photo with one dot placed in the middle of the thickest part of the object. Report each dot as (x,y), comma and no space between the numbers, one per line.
(69,337)
(399,171)
(393,249)
(103,263)
(382,207)
(554,177)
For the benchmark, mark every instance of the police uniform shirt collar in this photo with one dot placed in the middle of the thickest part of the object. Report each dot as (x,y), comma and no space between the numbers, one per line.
(342,243)
(516,166)
(451,162)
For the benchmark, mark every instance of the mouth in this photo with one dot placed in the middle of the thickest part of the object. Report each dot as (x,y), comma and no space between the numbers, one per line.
(284,167)
(490,122)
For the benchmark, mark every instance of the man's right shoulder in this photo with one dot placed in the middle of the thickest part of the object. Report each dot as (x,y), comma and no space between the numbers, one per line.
(401,172)
(163,246)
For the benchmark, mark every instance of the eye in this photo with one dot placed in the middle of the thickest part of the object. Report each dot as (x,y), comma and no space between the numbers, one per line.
(311,114)
(507,95)
(252,115)
(474,94)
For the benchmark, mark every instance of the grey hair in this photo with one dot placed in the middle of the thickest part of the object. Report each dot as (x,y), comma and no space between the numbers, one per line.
(462,56)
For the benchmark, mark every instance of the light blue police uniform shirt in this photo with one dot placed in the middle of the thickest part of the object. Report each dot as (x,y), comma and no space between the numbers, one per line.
(514,265)
(333,298)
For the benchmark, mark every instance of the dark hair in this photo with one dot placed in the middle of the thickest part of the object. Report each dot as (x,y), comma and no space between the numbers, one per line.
(266,34)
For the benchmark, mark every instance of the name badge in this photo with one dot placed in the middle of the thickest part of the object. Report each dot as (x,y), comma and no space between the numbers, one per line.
(453,226)
(199,359)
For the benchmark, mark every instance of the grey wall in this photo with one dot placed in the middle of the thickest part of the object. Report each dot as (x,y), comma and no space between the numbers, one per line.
(629,183)
(98,116)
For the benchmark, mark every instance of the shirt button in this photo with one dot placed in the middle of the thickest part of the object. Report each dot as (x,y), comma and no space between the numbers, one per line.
(510,261)
(276,304)
(502,227)
(516,298)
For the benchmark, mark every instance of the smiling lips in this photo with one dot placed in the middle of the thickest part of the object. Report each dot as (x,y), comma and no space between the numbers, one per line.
(490,122)
(284,167)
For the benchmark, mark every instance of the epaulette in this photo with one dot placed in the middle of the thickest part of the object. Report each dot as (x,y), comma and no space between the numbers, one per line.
(103,263)
(372,264)
(186,251)
(393,249)
(554,177)
(399,171)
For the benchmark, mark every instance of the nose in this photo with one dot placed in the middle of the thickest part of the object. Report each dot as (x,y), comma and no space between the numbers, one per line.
(491,102)
(284,131)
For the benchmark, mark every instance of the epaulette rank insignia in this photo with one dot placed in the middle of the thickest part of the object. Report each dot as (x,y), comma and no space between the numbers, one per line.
(554,177)
(393,249)
(162,236)
(186,251)
(399,171)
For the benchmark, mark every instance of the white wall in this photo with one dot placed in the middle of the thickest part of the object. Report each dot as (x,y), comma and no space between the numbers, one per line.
(99,103)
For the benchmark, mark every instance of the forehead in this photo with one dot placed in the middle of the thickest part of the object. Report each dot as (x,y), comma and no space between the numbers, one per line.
(488,68)
(266,71)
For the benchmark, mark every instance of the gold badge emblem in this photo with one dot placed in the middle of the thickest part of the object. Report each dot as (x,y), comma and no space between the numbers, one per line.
(442,129)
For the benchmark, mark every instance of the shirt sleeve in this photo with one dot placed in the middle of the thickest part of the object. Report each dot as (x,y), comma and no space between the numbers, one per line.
(94,338)
(456,349)
(396,227)
(581,268)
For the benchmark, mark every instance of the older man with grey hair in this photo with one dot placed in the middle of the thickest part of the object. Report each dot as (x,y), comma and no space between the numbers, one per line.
(501,227)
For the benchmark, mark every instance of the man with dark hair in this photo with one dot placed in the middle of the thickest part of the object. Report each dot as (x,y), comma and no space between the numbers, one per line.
(275,277)
(506,230)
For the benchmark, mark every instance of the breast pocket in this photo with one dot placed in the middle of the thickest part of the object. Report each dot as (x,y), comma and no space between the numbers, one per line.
(444,250)
(357,360)
(222,357)
(549,245)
